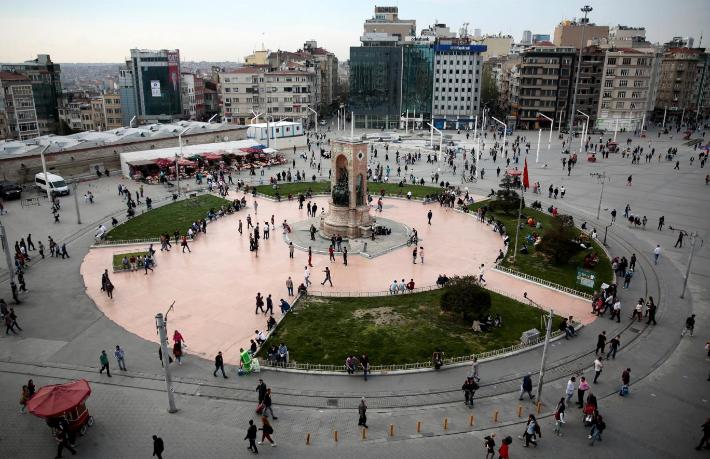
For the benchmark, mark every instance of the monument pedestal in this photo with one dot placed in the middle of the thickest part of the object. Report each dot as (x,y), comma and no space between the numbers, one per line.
(349,212)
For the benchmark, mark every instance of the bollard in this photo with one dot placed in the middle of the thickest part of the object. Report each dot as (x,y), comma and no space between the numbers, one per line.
(539,407)
(470,420)
(446,423)
(391,430)
(308,438)
(495,416)
(364,434)
(520,410)
(419,426)
(335,436)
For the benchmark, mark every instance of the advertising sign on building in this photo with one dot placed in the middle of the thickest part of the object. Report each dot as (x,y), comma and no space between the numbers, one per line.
(155,88)
(174,70)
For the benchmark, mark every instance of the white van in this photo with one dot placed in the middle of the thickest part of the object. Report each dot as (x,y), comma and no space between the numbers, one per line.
(56,184)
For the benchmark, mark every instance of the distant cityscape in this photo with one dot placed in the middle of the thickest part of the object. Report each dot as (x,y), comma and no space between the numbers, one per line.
(610,77)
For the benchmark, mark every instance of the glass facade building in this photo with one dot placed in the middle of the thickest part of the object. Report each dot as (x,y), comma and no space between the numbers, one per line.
(417,78)
(375,85)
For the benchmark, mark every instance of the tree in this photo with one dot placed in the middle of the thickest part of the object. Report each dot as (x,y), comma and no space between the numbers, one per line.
(507,200)
(465,296)
(558,240)
(489,90)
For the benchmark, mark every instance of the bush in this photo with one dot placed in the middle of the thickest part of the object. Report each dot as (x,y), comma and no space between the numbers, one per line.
(558,240)
(464,296)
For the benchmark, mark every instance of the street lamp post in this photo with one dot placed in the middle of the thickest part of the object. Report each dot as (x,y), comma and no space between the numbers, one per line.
(664,118)
(76,202)
(586,10)
(505,132)
(44,170)
(602,179)
(537,151)
(693,239)
(616,128)
(161,325)
(441,139)
(552,125)
(316,113)
(8,256)
(177,165)
(584,130)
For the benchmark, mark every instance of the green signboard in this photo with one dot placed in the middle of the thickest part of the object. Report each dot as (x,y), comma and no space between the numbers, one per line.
(586,278)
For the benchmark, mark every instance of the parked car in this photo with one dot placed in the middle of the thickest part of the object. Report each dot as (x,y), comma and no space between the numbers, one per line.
(10,190)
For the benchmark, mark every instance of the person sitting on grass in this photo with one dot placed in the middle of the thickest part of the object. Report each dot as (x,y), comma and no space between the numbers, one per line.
(302,289)
(124,262)
(270,323)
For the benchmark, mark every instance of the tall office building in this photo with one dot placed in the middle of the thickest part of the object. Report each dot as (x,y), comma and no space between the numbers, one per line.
(154,86)
(18,117)
(457,84)
(386,20)
(527,37)
(45,78)
(127,93)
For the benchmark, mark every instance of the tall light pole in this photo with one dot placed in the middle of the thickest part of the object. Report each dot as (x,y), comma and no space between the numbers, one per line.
(602,179)
(693,239)
(8,256)
(548,334)
(505,131)
(586,10)
(76,202)
(162,326)
(44,171)
(552,125)
(664,117)
(177,164)
(441,139)
(584,130)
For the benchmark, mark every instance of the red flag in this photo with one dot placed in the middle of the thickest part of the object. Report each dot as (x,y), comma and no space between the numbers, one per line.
(526,179)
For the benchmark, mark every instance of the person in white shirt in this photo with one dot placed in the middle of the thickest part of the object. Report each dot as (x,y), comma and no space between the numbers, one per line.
(481,271)
(656,253)
(307,276)
(394,287)
(570,388)
(598,365)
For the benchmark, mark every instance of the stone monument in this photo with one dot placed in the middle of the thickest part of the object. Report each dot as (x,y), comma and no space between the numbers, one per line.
(349,214)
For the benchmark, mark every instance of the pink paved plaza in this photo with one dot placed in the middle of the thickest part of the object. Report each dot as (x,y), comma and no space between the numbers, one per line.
(215,286)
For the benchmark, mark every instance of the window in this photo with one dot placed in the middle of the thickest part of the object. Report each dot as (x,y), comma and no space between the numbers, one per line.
(607,95)
(626,61)
(621,95)
(638,83)
(639,72)
(611,61)
(619,105)
(632,105)
(605,105)
(624,72)
(608,83)
(636,95)
(623,83)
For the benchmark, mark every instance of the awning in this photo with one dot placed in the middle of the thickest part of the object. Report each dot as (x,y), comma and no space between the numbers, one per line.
(141,162)
(55,399)
(211,156)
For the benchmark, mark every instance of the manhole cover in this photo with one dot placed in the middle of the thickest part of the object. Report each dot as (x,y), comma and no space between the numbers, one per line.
(635,330)
(332,402)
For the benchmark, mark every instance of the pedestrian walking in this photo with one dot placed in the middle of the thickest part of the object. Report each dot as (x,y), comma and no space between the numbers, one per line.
(362,413)
(601,343)
(290,249)
(569,391)
(428,216)
(219,365)
(251,436)
(268,403)
(365,364)
(526,387)
(259,304)
(531,430)
(62,438)
(481,272)
(598,366)
(625,378)
(505,444)
(103,360)
(656,254)
(651,311)
(289,286)
(327,277)
(158,447)
(307,276)
(689,326)
(705,441)
(184,244)
(24,397)
(489,443)
(598,426)
(614,344)
(345,256)
(473,372)
(421,254)
(261,390)
(581,389)
(661,221)
(559,417)
(679,241)
(120,358)
(266,431)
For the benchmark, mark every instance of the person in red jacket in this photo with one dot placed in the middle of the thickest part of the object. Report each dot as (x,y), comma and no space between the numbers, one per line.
(503,451)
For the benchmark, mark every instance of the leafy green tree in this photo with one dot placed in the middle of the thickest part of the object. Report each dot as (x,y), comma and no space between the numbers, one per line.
(465,296)
(558,240)
(489,90)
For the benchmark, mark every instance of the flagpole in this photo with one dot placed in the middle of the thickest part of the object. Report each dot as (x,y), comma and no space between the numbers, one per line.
(520,209)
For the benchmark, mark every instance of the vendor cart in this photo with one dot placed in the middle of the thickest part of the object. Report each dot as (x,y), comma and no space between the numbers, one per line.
(63,404)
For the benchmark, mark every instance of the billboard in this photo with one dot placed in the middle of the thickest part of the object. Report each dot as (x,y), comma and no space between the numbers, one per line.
(174,70)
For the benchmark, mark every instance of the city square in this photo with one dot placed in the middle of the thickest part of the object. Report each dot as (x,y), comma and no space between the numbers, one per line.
(365,268)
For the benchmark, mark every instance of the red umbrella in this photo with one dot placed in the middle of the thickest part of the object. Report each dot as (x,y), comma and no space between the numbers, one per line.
(53,400)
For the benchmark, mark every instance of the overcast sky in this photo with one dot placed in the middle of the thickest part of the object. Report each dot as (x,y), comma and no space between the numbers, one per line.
(220,30)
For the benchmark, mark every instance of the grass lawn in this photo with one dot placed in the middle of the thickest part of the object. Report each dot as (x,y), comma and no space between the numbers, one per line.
(537,264)
(166,219)
(394,329)
(418,191)
(118,258)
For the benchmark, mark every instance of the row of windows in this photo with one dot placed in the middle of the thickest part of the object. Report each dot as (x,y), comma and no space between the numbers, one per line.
(628,61)
(451,62)
(456,80)
(606,105)
(452,107)
(456,72)
(468,89)
(624,83)
(626,72)
(456,99)
(622,94)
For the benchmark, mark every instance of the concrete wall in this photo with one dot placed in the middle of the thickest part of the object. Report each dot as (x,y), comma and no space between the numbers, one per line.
(81,161)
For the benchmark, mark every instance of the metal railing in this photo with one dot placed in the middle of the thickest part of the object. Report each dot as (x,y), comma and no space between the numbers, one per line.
(367,294)
(544,282)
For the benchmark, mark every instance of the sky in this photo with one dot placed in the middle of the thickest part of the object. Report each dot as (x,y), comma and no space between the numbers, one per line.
(228,30)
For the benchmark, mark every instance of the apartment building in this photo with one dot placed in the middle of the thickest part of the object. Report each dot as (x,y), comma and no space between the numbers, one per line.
(386,20)
(628,88)
(18,115)
(544,84)
(239,93)
(590,82)
(112,111)
(681,82)
(457,84)
(288,93)
(569,33)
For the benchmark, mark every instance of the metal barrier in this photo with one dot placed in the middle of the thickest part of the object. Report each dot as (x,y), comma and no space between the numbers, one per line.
(544,282)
